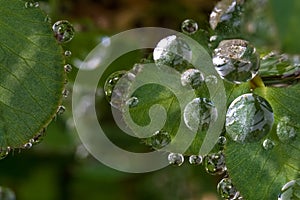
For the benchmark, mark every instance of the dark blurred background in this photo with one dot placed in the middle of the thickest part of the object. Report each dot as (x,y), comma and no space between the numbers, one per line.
(60,167)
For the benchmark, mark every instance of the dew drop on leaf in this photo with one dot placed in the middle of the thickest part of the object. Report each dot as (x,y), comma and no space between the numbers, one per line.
(290,190)
(7,194)
(284,130)
(215,163)
(68,53)
(60,110)
(159,140)
(195,159)
(189,26)
(68,68)
(132,102)
(65,93)
(174,52)
(4,153)
(226,189)
(199,113)
(192,77)
(63,31)
(249,118)
(268,144)
(222,141)
(28,145)
(175,159)
(31,4)
(110,83)
(236,60)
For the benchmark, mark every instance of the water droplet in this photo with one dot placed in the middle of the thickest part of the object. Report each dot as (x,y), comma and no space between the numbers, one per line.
(68,53)
(174,52)
(199,113)
(132,102)
(189,26)
(226,189)
(39,137)
(63,31)
(65,93)
(175,159)
(195,159)
(215,163)
(110,83)
(28,145)
(249,118)
(268,144)
(7,194)
(192,77)
(68,68)
(4,153)
(60,110)
(222,141)
(159,140)
(211,79)
(31,4)
(290,190)
(236,60)
(284,130)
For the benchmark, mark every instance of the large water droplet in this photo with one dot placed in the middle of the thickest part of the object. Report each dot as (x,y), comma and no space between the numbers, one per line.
(268,144)
(192,77)
(189,26)
(175,159)
(236,60)
(285,131)
(159,140)
(173,51)
(215,163)
(63,31)
(132,102)
(195,159)
(31,4)
(199,113)
(7,194)
(249,118)
(290,190)
(226,189)
(111,82)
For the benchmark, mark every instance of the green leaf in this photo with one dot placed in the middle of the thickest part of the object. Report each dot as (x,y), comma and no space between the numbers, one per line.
(31,73)
(258,173)
(286,17)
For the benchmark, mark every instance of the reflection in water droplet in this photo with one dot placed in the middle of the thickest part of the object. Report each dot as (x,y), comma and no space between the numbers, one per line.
(110,83)
(290,190)
(215,163)
(284,130)
(68,53)
(68,68)
(189,26)
(249,118)
(132,102)
(60,110)
(192,77)
(31,4)
(226,189)
(199,113)
(159,140)
(195,159)
(268,144)
(175,159)
(236,60)
(173,51)
(7,194)
(63,31)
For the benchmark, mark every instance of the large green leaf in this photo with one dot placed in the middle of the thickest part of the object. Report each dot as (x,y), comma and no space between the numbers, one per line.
(31,73)
(258,173)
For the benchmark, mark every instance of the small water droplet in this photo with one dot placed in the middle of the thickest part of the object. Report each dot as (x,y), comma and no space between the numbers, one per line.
(4,153)
(236,60)
(65,93)
(195,159)
(290,190)
(159,140)
(268,144)
(28,145)
(226,189)
(199,113)
(68,53)
(211,79)
(7,194)
(68,68)
(284,130)
(192,77)
(174,52)
(189,26)
(60,110)
(63,31)
(31,4)
(249,118)
(111,82)
(215,163)
(132,102)
(222,141)
(175,159)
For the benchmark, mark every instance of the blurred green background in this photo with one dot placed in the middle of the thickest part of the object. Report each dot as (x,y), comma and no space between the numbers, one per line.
(60,167)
